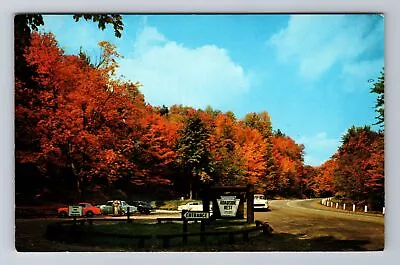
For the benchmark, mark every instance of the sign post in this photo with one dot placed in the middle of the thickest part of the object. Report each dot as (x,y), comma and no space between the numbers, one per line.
(74,211)
(195,215)
(184,227)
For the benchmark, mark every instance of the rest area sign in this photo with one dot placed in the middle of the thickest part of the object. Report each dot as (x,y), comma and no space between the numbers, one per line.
(228,206)
(75,210)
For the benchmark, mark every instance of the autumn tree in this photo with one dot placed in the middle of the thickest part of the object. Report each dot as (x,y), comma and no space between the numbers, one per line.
(359,175)
(262,123)
(289,160)
(25,24)
(84,124)
(251,149)
(194,153)
(307,181)
(58,116)
(323,181)
(224,150)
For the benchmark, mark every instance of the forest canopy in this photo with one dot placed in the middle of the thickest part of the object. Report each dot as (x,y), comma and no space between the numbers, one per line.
(83,134)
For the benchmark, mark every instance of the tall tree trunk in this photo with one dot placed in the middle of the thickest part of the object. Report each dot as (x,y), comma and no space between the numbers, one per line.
(78,183)
(190,189)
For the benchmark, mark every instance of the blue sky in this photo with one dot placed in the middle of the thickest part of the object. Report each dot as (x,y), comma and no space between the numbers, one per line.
(311,73)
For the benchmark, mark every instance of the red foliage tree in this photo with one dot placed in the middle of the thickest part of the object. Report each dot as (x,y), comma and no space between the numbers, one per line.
(359,175)
(83,121)
(289,160)
(323,181)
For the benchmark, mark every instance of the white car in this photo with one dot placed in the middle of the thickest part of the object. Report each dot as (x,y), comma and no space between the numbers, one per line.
(260,202)
(108,208)
(193,206)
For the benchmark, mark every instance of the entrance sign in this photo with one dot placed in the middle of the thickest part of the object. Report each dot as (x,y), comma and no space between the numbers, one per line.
(228,206)
(75,210)
(196,215)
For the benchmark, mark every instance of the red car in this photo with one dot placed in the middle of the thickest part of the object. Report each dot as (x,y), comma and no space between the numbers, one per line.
(88,210)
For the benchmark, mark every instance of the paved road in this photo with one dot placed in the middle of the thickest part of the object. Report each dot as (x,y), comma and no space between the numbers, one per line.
(305,219)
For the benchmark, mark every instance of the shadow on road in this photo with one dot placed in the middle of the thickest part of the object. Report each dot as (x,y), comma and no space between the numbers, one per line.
(33,241)
(300,242)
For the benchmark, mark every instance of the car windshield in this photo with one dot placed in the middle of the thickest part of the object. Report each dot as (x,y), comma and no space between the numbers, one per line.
(259,197)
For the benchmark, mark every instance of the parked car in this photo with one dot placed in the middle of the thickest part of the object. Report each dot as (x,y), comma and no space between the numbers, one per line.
(193,206)
(260,202)
(143,206)
(108,208)
(88,210)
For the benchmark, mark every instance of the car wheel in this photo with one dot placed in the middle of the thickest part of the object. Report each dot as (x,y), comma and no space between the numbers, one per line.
(62,214)
(89,214)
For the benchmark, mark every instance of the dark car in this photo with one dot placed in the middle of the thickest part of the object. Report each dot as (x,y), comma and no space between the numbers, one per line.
(143,206)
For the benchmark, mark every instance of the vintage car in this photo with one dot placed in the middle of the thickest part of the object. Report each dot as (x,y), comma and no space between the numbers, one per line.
(143,206)
(260,202)
(193,206)
(109,207)
(88,210)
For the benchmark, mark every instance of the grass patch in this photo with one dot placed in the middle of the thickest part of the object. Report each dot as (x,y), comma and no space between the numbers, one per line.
(146,228)
(29,237)
(97,237)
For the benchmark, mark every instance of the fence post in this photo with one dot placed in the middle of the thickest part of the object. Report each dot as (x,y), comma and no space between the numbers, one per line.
(184,227)
(337,205)
(128,214)
(365,208)
(344,206)
(331,204)
(202,230)
(383,210)
(354,207)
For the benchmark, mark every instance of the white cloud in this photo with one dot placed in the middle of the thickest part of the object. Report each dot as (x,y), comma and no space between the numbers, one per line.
(147,39)
(312,161)
(318,148)
(72,36)
(174,74)
(318,42)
